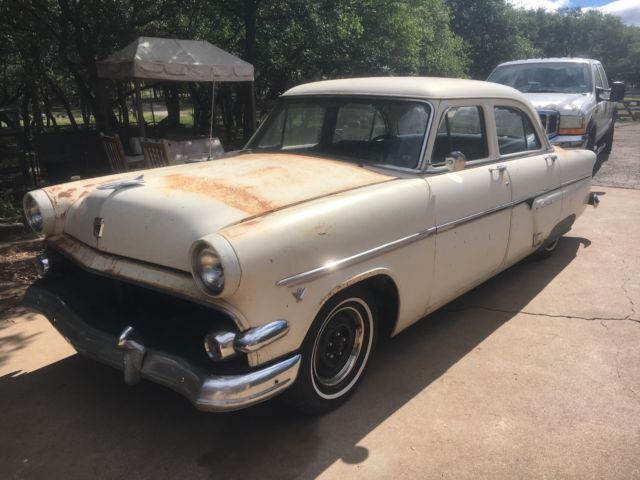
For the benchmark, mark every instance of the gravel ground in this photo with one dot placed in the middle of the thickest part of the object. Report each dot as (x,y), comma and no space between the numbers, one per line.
(622,167)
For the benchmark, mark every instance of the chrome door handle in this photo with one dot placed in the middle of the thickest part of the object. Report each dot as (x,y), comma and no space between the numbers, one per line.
(553,158)
(498,168)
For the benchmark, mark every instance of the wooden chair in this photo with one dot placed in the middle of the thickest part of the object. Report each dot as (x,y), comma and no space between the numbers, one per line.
(116,157)
(156,152)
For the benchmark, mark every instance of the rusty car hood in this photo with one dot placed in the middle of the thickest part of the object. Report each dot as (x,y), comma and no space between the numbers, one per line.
(158,221)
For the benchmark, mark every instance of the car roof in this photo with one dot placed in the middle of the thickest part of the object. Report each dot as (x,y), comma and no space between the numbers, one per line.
(551,60)
(414,87)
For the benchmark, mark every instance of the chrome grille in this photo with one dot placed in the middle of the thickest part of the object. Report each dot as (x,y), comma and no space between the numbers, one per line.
(550,121)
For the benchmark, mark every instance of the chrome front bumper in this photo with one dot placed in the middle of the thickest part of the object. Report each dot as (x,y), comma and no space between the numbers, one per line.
(213,393)
(569,141)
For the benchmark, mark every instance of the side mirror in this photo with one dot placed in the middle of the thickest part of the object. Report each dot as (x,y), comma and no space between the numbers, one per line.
(618,90)
(455,161)
(602,94)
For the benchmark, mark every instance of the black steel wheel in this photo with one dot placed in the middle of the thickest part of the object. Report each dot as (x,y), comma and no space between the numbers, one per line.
(335,352)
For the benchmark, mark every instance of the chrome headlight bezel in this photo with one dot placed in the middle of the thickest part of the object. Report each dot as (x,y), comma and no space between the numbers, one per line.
(214,256)
(39,212)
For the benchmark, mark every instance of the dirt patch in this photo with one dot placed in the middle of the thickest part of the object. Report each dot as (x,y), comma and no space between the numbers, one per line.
(17,272)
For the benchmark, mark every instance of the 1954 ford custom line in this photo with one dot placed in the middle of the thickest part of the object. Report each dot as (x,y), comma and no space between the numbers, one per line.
(357,208)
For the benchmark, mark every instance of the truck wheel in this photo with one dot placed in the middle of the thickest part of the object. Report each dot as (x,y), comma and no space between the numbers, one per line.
(546,250)
(608,139)
(591,140)
(335,352)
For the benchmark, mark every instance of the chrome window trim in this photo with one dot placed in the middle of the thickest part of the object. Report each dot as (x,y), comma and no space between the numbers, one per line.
(487,161)
(323,270)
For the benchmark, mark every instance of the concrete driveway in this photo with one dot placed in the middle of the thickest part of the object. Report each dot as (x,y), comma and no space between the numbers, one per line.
(535,374)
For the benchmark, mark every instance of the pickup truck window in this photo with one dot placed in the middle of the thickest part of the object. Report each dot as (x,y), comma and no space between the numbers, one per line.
(547,77)
(597,78)
(605,81)
(515,131)
(461,129)
(379,131)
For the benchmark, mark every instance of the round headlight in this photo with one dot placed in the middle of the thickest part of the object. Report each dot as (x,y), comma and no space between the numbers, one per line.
(208,268)
(33,214)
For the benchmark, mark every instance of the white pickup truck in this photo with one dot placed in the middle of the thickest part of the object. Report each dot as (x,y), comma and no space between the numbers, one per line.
(576,105)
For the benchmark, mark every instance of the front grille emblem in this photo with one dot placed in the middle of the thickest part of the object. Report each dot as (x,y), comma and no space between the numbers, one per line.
(98,227)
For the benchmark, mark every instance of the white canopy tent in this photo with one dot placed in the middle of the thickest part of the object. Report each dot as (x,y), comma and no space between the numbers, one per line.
(174,60)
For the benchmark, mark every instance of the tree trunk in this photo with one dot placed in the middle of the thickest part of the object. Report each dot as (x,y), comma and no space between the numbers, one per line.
(47,108)
(35,107)
(122,105)
(172,101)
(250,31)
(63,100)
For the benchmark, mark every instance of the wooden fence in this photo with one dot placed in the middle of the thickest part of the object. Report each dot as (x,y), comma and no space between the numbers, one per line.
(629,108)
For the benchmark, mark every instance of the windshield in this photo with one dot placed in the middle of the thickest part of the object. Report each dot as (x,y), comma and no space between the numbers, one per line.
(544,77)
(377,131)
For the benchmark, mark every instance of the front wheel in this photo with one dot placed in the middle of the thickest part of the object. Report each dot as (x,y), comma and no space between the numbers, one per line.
(335,352)
(608,139)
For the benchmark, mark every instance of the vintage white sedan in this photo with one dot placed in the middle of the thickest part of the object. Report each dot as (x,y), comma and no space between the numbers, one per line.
(357,208)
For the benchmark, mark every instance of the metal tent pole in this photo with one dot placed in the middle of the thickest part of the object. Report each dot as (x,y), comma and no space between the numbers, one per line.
(140,109)
(213,89)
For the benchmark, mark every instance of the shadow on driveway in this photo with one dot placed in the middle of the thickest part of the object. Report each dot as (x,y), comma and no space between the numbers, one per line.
(76,419)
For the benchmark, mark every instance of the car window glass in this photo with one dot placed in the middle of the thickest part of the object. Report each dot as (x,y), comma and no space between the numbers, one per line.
(515,131)
(377,130)
(273,133)
(303,125)
(358,121)
(597,78)
(549,77)
(605,81)
(461,129)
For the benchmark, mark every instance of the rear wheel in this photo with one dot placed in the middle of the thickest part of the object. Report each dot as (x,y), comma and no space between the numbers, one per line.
(546,250)
(335,352)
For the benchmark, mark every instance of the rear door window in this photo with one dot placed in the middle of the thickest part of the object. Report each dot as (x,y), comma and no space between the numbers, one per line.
(515,131)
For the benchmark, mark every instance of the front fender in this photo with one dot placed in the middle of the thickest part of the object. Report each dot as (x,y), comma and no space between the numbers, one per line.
(318,233)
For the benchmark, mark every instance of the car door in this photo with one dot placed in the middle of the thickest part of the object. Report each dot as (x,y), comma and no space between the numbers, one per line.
(534,173)
(603,107)
(606,105)
(471,205)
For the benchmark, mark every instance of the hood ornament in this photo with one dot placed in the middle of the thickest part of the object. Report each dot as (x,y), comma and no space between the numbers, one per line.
(120,184)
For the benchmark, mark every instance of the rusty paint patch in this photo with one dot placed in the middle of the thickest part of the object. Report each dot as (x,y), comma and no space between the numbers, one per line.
(67,193)
(237,197)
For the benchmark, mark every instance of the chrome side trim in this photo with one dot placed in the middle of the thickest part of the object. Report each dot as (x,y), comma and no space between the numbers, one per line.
(353,259)
(362,256)
(454,223)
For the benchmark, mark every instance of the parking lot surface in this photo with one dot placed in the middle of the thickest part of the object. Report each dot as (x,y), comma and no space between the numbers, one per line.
(534,374)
